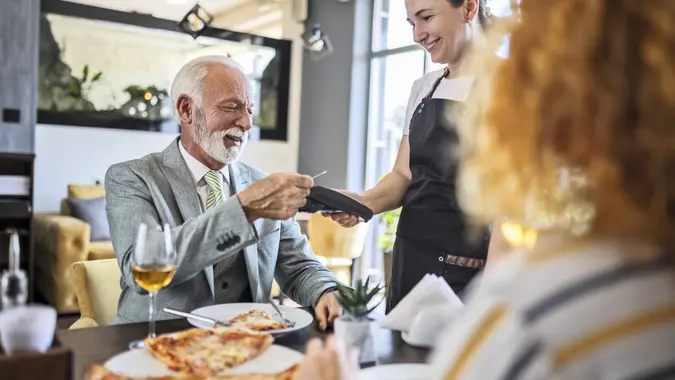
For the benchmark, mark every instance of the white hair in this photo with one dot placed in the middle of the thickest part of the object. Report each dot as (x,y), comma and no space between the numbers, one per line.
(190,78)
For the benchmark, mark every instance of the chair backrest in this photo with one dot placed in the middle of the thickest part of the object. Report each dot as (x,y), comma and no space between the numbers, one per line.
(82,192)
(329,239)
(97,285)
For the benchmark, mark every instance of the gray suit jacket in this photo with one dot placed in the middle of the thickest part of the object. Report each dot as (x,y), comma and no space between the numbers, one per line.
(158,189)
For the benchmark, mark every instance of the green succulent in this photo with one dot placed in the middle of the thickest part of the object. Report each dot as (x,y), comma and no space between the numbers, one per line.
(355,301)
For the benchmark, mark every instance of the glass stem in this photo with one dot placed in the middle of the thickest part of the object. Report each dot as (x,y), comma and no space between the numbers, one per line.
(153,297)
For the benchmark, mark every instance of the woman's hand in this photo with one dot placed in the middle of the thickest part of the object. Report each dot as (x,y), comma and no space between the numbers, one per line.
(345,219)
(327,362)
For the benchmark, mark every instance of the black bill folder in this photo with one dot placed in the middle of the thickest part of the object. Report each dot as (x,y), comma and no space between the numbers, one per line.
(323,199)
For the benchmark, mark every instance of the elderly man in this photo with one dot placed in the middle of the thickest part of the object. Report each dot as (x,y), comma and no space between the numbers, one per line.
(232,226)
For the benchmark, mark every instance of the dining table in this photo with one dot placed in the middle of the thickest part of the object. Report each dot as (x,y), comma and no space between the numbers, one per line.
(95,345)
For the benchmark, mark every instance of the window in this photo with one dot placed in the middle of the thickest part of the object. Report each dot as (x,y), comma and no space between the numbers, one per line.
(391,29)
(392,77)
(395,64)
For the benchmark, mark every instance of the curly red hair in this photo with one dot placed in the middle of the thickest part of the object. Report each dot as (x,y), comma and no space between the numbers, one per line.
(588,86)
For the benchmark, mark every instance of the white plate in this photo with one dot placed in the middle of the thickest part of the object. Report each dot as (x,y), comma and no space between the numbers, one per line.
(225,312)
(397,372)
(141,363)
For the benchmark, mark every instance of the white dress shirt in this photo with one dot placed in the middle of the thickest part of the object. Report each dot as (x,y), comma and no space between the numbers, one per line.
(230,274)
(198,170)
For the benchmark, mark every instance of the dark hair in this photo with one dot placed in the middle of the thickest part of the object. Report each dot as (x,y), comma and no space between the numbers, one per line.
(483,14)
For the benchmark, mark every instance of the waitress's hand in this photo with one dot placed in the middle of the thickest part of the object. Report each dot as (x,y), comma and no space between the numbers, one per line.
(346,219)
(327,362)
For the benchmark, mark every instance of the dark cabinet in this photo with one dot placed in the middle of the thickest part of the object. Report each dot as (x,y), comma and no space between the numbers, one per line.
(19,48)
(19,23)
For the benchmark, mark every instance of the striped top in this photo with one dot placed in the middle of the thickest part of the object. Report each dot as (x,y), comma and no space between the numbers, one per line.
(581,313)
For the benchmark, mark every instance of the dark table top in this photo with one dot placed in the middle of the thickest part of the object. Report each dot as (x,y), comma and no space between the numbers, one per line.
(97,345)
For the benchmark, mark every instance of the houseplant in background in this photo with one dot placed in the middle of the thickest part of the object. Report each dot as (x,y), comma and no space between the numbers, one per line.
(386,241)
(355,327)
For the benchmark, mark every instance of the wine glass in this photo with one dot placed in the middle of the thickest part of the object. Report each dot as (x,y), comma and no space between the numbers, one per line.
(153,270)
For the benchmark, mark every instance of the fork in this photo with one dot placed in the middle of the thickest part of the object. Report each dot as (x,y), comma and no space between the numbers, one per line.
(285,321)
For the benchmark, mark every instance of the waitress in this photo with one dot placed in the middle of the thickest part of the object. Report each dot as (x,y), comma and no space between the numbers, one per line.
(432,234)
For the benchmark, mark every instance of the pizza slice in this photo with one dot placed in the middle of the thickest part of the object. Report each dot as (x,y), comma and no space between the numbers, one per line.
(257,320)
(206,352)
(98,372)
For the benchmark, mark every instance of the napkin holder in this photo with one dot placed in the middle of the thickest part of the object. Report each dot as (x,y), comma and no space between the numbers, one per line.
(55,364)
(323,199)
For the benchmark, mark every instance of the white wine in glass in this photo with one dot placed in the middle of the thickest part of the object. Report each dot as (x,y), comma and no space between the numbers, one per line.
(153,270)
(153,277)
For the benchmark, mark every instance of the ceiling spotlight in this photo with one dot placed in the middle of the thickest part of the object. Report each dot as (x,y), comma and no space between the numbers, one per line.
(318,44)
(195,21)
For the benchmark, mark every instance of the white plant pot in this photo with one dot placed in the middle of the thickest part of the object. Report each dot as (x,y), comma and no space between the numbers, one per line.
(358,334)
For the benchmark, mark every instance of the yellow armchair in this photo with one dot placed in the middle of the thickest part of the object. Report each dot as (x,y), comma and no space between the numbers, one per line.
(97,285)
(62,240)
(335,246)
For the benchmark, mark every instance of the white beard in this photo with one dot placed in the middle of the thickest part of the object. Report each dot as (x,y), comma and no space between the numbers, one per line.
(212,143)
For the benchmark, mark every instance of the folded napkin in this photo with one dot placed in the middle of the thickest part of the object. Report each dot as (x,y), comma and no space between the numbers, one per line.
(431,292)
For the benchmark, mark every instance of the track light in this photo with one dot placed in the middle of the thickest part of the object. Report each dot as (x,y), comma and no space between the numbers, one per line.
(195,21)
(318,44)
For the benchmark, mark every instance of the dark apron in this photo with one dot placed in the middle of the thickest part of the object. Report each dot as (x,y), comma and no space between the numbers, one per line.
(432,234)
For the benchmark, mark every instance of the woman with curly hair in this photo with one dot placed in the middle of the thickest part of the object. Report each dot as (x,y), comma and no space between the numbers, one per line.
(572,139)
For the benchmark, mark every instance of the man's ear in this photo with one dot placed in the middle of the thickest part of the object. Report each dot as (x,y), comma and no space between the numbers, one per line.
(184,108)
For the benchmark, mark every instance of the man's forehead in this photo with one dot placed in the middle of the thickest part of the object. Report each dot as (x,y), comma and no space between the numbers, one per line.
(227,81)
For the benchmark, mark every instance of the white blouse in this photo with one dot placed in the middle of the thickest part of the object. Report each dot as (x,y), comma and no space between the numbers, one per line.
(577,313)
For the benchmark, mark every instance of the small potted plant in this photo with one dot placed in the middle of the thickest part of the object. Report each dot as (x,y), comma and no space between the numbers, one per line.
(355,327)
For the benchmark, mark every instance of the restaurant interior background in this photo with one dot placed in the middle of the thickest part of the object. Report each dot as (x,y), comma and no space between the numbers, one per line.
(341,86)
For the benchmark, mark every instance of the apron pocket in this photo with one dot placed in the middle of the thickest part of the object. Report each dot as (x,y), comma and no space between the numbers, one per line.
(459,277)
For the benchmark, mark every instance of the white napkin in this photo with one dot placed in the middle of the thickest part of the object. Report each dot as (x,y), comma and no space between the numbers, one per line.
(431,292)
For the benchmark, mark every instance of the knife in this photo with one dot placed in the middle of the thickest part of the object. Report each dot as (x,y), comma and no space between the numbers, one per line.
(210,321)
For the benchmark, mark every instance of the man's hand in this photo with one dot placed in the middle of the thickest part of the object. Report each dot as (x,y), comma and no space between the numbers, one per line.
(327,309)
(276,197)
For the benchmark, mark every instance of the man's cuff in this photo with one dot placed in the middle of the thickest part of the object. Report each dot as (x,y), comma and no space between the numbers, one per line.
(325,289)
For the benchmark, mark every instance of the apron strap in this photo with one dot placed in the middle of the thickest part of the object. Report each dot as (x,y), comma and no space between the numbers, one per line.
(446,71)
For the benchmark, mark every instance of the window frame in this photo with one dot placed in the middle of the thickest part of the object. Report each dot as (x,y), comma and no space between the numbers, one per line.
(377,133)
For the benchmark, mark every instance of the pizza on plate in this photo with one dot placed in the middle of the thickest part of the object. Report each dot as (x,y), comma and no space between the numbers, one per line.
(206,352)
(98,372)
(257,320)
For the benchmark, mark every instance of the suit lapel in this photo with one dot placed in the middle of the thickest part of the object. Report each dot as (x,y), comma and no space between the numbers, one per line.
(184,191)
(240,178)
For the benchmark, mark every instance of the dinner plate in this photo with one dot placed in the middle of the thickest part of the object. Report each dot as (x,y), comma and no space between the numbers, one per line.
(396,372)
(141,363)
(225,312)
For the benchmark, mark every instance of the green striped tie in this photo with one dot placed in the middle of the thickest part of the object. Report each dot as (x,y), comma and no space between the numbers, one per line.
(214,180)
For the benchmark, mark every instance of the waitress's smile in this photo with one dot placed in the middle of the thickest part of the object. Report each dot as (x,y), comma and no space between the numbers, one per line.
(430,45)
(441,27)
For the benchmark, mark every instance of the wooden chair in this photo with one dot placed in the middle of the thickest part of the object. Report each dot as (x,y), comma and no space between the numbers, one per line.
(335,246)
